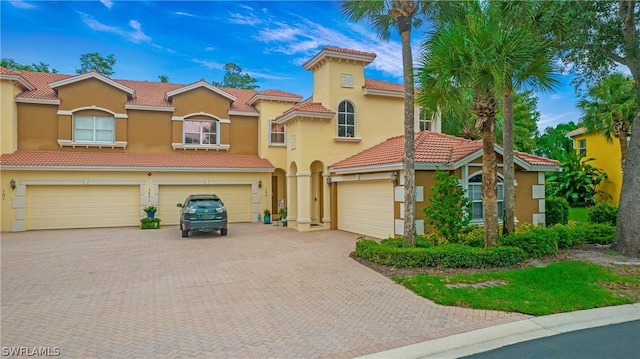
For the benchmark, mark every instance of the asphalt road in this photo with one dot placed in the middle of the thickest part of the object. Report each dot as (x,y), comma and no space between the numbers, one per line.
(611,341)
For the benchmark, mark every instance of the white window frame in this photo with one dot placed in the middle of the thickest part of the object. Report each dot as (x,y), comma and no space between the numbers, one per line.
(582,149)
(423,118)
(474,200)
(214,124)
(271,134)
(93,128)
(340,114)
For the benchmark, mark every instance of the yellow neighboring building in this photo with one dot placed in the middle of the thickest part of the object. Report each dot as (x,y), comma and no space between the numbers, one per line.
(606,156)
(90,151)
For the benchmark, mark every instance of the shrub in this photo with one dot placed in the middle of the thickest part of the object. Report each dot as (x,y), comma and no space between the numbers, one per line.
(473,236)
(446,255)
(537,242)
(568,236)
(449,209)
(599,233)
(557,211)
(430,239)
(603,212)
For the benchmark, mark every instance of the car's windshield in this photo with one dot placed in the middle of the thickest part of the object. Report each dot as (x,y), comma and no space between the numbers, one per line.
(205,203)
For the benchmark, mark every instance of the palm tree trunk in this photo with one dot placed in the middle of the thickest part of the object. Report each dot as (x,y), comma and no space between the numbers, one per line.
(507,160)
(622,138)
(409,140)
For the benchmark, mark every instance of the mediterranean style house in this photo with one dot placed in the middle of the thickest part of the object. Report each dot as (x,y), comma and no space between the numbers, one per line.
(607,156)
(90,151)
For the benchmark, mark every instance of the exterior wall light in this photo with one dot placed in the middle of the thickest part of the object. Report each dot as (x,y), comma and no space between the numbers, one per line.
(394,178)
(260,184)
(329,181)
(12,183)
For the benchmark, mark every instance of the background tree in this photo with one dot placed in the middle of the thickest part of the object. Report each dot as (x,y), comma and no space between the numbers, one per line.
(234,78)
(95,61)
(525,121)
(609,109)
(163,78)
(11,64)
(554,141)
(595,37)
(403,15)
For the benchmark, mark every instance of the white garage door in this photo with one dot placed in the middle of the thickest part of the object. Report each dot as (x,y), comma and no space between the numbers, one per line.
(366,207)
(57,207)
(236,198)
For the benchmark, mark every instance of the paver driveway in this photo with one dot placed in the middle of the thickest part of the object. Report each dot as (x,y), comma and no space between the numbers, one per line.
(262,291)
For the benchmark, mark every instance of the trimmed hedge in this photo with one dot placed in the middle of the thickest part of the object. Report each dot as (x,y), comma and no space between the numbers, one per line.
(537,242)
(446,255)
(557,211)
(598,233)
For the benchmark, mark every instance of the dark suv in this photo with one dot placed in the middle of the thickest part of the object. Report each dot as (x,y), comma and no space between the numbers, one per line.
(203,212)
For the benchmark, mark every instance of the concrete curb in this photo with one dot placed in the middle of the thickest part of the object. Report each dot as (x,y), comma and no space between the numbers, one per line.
(486,339)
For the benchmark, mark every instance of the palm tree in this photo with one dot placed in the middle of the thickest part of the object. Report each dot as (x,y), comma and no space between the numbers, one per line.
(474,48)
(528,64)
(404,15)
(610,109)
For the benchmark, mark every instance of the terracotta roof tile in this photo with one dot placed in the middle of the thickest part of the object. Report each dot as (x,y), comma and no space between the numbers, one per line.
(146,93)
(278,93)
(430,148)
(383,85)
(179,160)
(349,51)
(307,107)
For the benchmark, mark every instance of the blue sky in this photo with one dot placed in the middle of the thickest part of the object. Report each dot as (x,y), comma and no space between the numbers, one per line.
(188,41)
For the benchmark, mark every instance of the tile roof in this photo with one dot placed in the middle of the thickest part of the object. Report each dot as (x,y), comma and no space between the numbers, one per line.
(307,107)
(349,51)
(430,148)
(146,93)
(178,160)
(383,85)
(339,52)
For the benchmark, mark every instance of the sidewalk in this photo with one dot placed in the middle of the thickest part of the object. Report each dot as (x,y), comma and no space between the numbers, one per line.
(482,340)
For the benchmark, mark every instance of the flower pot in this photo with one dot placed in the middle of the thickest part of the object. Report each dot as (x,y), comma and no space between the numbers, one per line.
(151,214)
(267,218)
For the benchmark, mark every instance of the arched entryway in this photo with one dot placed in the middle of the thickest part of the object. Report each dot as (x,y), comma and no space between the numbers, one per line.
(317,192)
(278,190)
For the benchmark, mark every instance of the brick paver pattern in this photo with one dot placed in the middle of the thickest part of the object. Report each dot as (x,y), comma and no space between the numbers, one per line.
(260,292)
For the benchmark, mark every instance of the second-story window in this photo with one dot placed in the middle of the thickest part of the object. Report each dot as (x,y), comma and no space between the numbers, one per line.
(346,120)
(424,121)
(582,146)
(276,133)
(93,129)
(200,132)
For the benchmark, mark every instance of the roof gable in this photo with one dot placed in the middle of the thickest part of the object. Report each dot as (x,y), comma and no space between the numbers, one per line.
(91,75)
(339,53)
(199,84)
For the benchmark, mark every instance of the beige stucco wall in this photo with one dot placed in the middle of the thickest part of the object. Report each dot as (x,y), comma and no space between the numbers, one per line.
(9,119)
(37,127)
(270,110)
(13,200)
(91,92)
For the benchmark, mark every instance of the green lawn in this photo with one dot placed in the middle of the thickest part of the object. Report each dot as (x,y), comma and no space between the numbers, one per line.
(556,288)
(579,214)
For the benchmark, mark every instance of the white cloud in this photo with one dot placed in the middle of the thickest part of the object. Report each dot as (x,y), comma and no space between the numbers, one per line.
(181,13)
(22,4)
(305,38)
(209,64)
(209,48)
(556,97)
(553,120)
(135,36)
(267,76)
(241,19)
(107,3)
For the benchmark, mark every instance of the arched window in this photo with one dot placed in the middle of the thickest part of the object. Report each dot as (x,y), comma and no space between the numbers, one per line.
(346,120)
(93,129)
(475,195)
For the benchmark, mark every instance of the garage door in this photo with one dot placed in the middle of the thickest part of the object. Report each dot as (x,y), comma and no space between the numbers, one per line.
(366,207)
(57,207)
(236,198)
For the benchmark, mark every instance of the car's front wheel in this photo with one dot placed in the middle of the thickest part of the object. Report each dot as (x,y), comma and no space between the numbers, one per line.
(223,231)
(185,233)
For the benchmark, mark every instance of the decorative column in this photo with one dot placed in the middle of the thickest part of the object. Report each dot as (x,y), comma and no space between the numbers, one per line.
(304,201)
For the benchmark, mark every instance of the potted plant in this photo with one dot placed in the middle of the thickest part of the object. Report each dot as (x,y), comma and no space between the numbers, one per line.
(267,216)
(283,216)
(150,211)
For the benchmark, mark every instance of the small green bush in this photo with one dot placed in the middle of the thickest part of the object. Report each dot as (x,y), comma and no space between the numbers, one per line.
(603,212)
(599,233)
(446,255)
(473,236)
(568,236)
(449,209)
(557,211)
(537,242)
